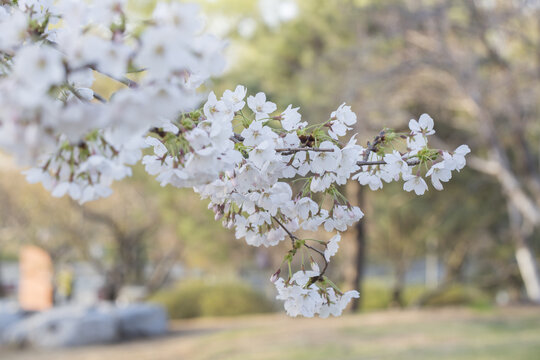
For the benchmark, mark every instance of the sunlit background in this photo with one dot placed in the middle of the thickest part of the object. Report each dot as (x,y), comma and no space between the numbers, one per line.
(448,275)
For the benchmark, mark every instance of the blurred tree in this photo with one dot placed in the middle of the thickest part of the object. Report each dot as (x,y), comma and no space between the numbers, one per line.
(135,237)
(474,65)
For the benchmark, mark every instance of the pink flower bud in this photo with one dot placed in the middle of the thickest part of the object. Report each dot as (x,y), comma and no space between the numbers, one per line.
(275,276)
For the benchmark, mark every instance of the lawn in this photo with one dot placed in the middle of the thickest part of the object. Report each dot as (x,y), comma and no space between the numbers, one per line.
(510,333)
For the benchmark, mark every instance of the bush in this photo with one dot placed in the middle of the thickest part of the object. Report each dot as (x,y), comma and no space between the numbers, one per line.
(196,298)
(377,294)
(459,295)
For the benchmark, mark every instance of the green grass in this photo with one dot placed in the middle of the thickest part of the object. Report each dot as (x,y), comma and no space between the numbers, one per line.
(455,334)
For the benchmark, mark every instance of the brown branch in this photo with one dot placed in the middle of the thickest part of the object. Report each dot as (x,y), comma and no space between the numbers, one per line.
(323,257)
(410,162)
(294,238)
(237,138)
(124,80)
(291,235)
(76,93)
(374,147)
(290,151)
(99,98)
(511,186)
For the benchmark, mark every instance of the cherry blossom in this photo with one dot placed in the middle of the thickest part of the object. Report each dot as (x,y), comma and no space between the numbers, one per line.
(269,178)
(424,125)
(415,183)
(260,106)
(438,173)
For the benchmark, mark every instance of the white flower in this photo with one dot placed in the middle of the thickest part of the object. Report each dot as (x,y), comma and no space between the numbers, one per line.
(325,161)
(262,153)
(82,50)
(336,304)
(113,59)
(343,217)
(276,197)
(416,183)
(459,156)
(39,67)
(152,165)
(424,125)
(106,11)
(332,247)
(94,192)
(372,180)
(305,207)
(235,100)
(395,165)
(63,188)
(341,119)
(169,127)
(260,106)
(315,267)
(13,30)
(159,147)
(160,56)
(257,133)
(213,107)
(438,173)
(321,183)
(184,17)
(290,119)
(344,115)
(416,143)
(312,223)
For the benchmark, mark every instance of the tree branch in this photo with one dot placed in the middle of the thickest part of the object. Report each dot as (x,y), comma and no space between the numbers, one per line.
(99,98)
(124,80)
(290,151)
(410,162)
(510,185)
(291,235)
(294,238)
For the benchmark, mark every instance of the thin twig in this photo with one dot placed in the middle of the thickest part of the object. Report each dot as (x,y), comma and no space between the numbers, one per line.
(410,162)
(290,151)
(124,80)
(291,235)
(322,255)
(100,98)
(293,238)
(373,147)
(76,93)
(237,138)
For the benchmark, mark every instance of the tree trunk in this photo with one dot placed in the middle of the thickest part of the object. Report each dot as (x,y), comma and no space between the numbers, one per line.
(1,281)
(399,285)
(455,261)
(432,264)
(529,272)
(526,260)
(360,254)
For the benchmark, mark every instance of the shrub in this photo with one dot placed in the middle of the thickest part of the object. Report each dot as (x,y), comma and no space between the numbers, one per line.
(377,294)
(459,294)
(196,298)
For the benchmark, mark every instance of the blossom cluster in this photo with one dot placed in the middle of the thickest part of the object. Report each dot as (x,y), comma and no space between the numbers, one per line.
(268,174)
(303,297)
(50,55)
(278,176)
(85,171)
(391,166)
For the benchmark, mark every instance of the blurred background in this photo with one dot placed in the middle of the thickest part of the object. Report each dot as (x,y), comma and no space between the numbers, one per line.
(450,274)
